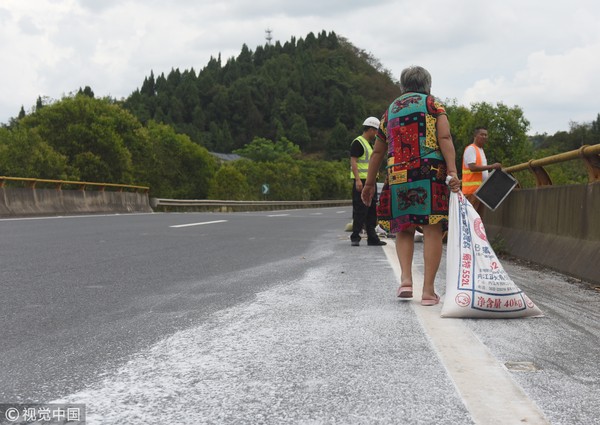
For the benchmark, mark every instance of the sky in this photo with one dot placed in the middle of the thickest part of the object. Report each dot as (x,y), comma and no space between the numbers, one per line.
(541,56)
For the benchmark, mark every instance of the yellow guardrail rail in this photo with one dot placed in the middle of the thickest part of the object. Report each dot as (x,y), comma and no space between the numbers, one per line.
(590,155)
(32,182)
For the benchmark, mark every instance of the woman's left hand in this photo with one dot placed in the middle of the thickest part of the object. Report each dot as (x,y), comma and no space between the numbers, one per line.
(454,184)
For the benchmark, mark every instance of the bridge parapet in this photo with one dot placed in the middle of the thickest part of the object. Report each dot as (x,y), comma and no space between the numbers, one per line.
(28,198)
(555,226)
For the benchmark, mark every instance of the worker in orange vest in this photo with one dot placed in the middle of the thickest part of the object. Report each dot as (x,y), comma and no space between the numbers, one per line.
(475,168)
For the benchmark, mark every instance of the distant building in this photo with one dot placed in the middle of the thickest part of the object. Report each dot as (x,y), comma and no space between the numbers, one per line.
(224,157)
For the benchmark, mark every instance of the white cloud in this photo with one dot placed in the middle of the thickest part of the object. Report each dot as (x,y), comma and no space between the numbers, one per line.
(552,89)
(539,55)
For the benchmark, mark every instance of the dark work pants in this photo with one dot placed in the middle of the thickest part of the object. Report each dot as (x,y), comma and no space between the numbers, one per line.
(363,216)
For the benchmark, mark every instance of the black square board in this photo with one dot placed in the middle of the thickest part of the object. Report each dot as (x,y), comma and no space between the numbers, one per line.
(495,189)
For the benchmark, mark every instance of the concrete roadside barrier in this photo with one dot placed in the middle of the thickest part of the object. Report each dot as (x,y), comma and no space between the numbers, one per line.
(25,202)
(30,200)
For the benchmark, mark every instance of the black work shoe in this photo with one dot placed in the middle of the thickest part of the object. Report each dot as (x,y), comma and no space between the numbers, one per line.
(376,243)
(355,243)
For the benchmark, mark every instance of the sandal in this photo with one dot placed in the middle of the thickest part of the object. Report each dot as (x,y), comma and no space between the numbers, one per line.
(405,291)
(429,301)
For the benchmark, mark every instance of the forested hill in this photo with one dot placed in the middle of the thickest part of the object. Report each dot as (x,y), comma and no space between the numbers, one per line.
(290,110)
(315,92)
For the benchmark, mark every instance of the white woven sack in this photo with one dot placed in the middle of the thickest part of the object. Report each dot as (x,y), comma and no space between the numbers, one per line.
(476,283)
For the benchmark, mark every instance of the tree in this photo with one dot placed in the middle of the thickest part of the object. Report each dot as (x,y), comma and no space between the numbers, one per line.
(85,129)
(596,128)
(87,91)
(264,150)
(148,86)
(325,179)
(23,153)
(179,167)
(507,128)
(338,146)
(299,131)
(39,104)
(299,91)
(229,183)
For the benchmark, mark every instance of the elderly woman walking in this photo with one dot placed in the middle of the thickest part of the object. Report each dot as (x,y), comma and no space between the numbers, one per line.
(415,133)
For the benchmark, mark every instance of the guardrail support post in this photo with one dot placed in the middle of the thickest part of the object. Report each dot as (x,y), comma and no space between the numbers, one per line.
(592,163)
(541,176)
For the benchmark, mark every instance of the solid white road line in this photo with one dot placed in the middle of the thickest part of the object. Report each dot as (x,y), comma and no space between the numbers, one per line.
(486,387)
(199,224)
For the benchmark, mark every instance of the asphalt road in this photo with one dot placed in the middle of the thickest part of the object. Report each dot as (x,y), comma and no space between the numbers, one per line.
(80,294)
(271,317)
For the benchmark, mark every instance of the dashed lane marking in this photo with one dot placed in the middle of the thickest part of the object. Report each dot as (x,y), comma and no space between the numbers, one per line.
(199,224)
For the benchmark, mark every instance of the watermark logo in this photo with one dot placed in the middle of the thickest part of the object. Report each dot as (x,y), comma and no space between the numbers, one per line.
(40,413)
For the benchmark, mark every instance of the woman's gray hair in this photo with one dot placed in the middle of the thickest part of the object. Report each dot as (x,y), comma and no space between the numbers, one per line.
(415,79)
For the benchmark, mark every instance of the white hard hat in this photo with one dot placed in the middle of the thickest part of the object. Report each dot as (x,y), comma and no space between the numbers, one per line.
(371,122)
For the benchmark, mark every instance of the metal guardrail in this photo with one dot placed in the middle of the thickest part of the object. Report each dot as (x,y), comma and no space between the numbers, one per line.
(590,155)
(32,182)
(221,205)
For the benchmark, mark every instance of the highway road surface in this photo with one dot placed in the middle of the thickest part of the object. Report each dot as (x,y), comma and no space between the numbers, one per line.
(273,318)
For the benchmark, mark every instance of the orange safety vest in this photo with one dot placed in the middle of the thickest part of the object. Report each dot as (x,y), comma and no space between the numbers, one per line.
(471,180)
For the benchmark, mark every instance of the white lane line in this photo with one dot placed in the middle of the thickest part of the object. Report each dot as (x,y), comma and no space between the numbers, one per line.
(278,215)
(55,217)
(199,224)
(485,386)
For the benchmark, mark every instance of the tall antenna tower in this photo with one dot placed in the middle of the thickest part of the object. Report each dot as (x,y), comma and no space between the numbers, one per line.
(269,35)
